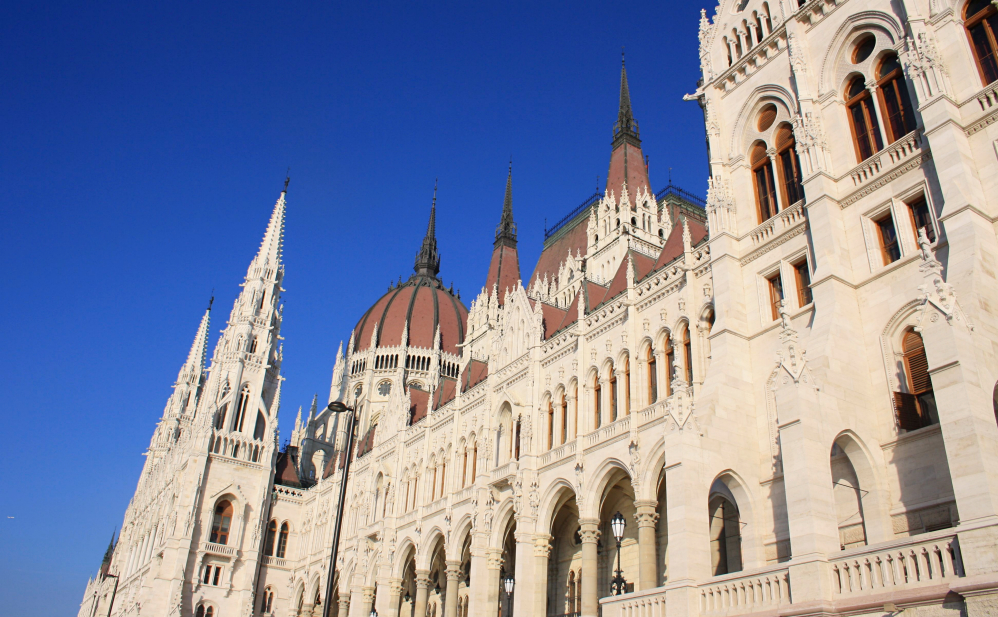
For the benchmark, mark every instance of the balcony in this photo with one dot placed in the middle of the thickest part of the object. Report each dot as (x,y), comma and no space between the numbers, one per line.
(900,157)
(275,562)
(895,566)
(219,549)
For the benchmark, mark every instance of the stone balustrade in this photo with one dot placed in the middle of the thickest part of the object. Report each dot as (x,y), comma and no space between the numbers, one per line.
(740,593)
(913,562)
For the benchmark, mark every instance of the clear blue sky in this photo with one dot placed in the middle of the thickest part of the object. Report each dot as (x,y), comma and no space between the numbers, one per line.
(144,145)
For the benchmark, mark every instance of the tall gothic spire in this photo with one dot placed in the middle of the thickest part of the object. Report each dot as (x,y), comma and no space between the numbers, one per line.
(504,269)
(506,231)
(194,366)
(272,247)
(627,126)
(428,259)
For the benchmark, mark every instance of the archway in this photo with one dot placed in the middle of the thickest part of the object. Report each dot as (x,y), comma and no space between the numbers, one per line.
(617,497)
(848,499)
(564,579)
(725,530)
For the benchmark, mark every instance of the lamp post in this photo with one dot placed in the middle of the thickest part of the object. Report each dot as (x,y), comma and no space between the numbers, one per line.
(507,583)
(338,407)
(374,612)
(617,584)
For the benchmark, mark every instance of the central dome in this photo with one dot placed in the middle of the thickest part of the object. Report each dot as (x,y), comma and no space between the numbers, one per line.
(422,304)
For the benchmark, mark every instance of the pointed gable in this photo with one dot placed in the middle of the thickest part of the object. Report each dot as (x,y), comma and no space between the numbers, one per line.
(674,244)
(285,472)
(474,373)
(553,318)
(419,405)
(445,392)
(595,294)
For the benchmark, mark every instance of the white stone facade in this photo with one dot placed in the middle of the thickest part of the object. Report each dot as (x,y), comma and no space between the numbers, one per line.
(771,469)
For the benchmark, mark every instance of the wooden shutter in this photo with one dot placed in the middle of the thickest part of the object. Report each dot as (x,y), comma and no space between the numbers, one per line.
(906,409)
(917,364)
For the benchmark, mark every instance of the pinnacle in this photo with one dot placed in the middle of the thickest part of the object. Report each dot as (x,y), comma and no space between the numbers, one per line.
(626,124)
(199,349)
(428,259)
(272,247)
(506,231)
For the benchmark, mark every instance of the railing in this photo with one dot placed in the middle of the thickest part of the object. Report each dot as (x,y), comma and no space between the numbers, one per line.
(988,97)
(648,414)
(275,562)
(602,434)
(649,603)
(406,518)
(682,194)
(740,593)
(504,471)
(558,453)
(464,494)
(898,565)
(787,218)
(287,491)
(219,549)
(571,215)
(887,158)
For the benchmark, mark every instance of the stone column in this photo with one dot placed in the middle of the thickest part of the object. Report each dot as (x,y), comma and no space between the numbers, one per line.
(647,560)
(356,603)
(542,551)
(872,86)
(492,584)
(778,197)
(389,598)
(525,581)
(573,416)
(478,592)
(343,605)
(422,591)
(450,595)
(367,601)
(687,519)
(590,535)
(306,610)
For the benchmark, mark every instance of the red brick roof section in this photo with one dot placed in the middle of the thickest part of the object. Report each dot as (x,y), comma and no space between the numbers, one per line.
(504,271)
(595,295)
(636,172)
(446,392)
(674,244)
(572,314)
(553,318)
(285,473)
(573,241)
(420,401)
(642,266)
(474,374)
(424,306)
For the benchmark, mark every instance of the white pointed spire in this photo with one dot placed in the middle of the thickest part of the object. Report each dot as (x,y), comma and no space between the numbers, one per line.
(199,349)
(272,247)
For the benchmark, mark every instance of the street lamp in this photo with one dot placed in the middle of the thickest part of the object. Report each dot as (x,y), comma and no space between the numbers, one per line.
(507,583)
(338,407)
(374,612)
(617,584)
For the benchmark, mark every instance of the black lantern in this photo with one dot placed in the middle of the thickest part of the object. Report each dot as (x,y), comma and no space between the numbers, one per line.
(374,612)
(507,584)
(618,585)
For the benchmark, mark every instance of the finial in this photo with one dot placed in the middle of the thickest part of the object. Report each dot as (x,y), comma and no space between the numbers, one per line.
(597,183)
(670,175)
(212,300)
(287,180)
(622,63)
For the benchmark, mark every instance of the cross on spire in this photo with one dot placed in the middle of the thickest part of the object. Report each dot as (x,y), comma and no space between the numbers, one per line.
(428,259)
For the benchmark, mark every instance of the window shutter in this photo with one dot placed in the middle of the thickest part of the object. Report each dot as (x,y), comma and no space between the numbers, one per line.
(917,363)
(906,409)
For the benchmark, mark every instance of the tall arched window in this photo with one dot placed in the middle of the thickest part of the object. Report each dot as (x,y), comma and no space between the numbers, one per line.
(597,402)
(241,405)
(765,185)
(570,594)
(464,468)
(253,344)
(688,354)
(790,174)
(670,364)
(261,426)
(981,22)
(627,386)
(268,545)
(894,101)
(220,418)
(516,441)
(613,393)
(652,376)
(564,417)
(550,424)
(267,604)
(221,522)
(725,536)
(863,119)
(205,611)
(917,407)
(474,461)
(282,540)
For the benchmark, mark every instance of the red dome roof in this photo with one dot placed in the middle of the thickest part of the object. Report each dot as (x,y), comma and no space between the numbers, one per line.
(424,304)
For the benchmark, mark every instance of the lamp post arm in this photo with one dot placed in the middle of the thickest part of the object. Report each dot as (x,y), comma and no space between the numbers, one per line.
(338,523)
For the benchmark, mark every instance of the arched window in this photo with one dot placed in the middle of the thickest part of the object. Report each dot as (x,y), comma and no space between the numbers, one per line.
(268,546)
(627,386)
(597,403)
(725,536)
(464,468)
(221,522)
(241,405)
(474,461)
(570,594)
(670,364)
(282,540)
(564,417)
(613,393)
(253,344)
(863,119)
(516,441)
(765,185)
(220,418)
(790,174)
(981,22)
(894,100)
(550,424)
(205,611)
(688,354)
(267,604)
(994,401)
(652,376)
(261,426)
(915,408)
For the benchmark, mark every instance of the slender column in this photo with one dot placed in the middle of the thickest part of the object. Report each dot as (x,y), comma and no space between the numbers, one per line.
(450,595)
(778,197)
(573,417)
(492,584)
(872,87)
(590,535)
(356,603)
(478,595)
(647,562)
(389,597)
(367,601)
(344,605)
(524,576)
(542,551)
(422,591)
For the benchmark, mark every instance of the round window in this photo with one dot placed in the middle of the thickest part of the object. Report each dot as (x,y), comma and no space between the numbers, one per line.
(864,48)
(385,388)
(767,116)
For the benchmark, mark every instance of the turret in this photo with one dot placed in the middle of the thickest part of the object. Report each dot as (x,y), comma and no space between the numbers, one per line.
(504,269)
